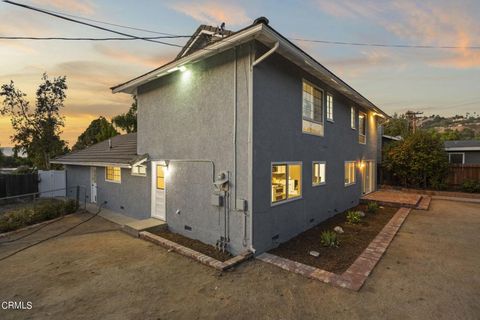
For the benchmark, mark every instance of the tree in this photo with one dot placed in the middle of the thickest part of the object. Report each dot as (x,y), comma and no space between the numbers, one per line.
(99,130)
(127,121)
(37,131)
(396,126)
(419,160)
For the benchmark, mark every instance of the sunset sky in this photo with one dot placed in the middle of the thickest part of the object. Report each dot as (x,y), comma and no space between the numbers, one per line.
(438,81)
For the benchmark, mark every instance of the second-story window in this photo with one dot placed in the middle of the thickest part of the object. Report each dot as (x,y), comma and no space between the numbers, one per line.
(312,110)
(362,128)
(352,117)
(329,107)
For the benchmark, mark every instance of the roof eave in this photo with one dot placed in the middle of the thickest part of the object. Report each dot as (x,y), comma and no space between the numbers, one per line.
(92,163)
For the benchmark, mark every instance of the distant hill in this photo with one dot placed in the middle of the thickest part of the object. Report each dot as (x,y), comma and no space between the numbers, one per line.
(468,125)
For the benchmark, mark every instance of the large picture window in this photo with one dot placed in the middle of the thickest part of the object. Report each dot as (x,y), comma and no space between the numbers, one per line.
(286,181)
(113,174)
(318,174)
(362,128)
(312,110)
(349,173)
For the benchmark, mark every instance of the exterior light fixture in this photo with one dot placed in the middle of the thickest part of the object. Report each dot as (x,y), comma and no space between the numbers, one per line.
(182,68)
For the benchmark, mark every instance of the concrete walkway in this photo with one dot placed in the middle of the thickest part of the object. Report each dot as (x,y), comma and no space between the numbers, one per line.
(430,271)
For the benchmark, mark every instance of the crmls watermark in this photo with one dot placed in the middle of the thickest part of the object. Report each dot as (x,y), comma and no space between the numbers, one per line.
(17,305)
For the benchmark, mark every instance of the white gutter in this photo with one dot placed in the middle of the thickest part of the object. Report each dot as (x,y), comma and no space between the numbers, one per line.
(266,54)
(462,149)
(92,164)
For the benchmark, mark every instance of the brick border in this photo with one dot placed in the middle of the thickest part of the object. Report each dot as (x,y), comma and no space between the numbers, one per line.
(195,255)
(356,275)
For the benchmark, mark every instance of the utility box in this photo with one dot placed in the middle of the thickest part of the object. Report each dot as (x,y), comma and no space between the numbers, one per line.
(241,205)
(216,200)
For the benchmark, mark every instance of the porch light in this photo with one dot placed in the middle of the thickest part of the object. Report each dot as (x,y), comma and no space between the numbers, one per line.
(361,164)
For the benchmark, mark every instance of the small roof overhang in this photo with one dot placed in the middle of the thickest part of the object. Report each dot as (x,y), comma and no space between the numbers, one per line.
(268,36)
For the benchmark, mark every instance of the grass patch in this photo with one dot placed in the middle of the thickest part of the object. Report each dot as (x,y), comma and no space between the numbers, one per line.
(43,210)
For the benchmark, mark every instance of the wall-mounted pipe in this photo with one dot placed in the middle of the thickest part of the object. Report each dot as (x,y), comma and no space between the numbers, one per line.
(266,54)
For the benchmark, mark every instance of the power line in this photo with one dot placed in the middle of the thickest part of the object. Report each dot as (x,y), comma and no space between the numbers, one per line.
(88,24)
(385,45)
(83,38)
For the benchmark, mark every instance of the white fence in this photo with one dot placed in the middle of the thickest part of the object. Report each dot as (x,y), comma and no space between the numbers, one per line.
(52,183)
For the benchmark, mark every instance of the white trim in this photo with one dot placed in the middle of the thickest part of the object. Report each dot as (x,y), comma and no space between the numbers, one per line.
(462,153)
(354,117)
(92,164)
(287,164)
(325,178)
(365,117)
(354,173)
(323,110)
(153,165)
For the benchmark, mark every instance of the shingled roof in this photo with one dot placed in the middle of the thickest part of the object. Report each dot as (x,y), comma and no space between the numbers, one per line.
(465,145)
(203,36)
(120,151)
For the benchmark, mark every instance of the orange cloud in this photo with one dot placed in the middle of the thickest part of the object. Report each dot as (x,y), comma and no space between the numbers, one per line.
(213,13)
(142,59)
(74,6)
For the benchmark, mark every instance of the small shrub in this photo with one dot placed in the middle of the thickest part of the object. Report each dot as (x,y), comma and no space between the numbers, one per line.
(471,186)
(329,239)
(354,217)
(372,207)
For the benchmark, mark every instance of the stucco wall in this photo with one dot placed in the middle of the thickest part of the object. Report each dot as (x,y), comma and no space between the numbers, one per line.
(189,115)
(130,197)
(472,157)
(277,136)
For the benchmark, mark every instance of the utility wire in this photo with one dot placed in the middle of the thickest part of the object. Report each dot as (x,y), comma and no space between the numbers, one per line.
(385,45)
(87,24)
(82,38)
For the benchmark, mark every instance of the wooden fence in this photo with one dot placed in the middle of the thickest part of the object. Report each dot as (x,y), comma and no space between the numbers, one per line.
(17,184)
(460,173)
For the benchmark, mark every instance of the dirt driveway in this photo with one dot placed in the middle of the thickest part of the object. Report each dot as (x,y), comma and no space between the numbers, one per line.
(430,271)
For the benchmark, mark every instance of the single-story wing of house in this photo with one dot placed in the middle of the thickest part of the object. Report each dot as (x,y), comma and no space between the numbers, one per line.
(463,151)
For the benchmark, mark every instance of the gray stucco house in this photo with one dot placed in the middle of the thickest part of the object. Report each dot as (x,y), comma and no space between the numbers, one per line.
(244,141)
(463,151)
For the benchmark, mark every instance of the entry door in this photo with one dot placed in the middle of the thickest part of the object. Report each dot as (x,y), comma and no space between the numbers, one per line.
(368,177)
(93,184)
(158,190)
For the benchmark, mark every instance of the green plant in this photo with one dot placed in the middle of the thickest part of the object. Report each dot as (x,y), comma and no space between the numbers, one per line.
(354,217)
(471,186)
(372,207)
(329,239)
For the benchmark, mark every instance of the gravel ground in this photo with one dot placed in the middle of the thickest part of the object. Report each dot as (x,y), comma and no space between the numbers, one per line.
(95,271)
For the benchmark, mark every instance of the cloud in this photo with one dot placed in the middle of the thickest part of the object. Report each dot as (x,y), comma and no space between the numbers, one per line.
(74,6)
(439,23)
(213,13)
(143,59)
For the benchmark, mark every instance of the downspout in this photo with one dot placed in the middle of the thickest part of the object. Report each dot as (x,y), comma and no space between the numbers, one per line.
(253,63)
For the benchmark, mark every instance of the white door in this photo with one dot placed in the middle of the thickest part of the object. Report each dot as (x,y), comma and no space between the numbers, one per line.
(368,177)
(93,184)
(158,190)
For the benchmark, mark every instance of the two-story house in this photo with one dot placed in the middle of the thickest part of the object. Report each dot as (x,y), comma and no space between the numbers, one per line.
(244,141)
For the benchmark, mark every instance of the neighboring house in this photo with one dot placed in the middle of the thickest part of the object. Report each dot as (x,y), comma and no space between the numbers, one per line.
(463,151)
(243,142)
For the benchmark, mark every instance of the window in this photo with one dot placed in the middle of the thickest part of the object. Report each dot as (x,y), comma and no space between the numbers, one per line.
(456,158)
(318,174)
(139,170)
(352,117)
(161,177)
(113,174)
(286,181)
(349,173)
(329,107)
(312,110)
(362,128)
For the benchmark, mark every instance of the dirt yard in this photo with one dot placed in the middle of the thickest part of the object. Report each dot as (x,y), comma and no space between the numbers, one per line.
(430,271)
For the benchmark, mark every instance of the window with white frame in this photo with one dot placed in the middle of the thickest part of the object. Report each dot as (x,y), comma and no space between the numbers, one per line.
(312,110)
(349,173)
(139,170)
(362,128)
(286,181)
(352,117)
(113,174)
(318,173)
(329,107)
(456,157)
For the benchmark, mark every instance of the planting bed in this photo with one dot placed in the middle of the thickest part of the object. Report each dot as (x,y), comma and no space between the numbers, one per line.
(195,245)
(353,241)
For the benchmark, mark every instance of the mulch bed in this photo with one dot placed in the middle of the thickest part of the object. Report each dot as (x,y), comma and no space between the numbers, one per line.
(196,245)
(353,241)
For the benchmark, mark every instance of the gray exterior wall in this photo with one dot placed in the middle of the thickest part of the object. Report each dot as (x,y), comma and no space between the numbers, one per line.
(277,137)
(130,197)
(471,157)
(190,115)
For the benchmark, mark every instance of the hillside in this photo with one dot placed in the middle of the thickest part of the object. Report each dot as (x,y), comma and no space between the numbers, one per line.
(465,127)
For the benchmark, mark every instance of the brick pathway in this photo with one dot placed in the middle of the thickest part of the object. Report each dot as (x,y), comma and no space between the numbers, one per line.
(392,197)
(354,277)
